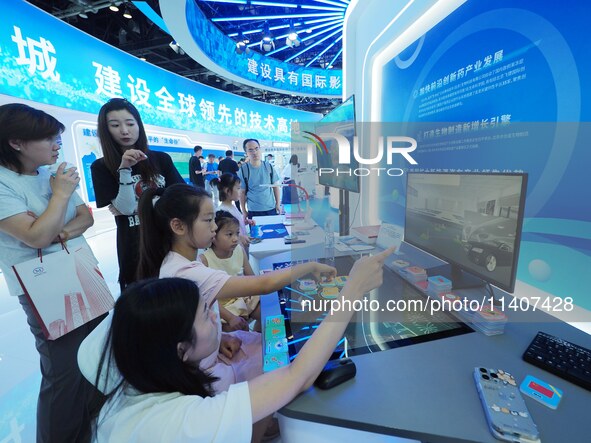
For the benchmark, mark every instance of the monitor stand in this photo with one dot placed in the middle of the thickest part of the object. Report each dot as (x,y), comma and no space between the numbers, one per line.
(464,280)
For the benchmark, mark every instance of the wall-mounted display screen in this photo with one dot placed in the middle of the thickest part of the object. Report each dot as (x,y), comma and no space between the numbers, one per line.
(342,121)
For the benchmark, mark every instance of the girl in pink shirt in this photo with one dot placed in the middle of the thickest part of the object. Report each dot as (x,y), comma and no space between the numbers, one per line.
(177,221)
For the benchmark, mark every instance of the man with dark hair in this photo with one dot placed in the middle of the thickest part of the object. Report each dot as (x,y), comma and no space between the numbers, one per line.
(228,165)
(195,170)
(256,177)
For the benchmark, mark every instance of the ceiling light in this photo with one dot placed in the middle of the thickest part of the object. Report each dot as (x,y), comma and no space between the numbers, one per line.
(241,48)
(292,40)
(113,7)
(127,13)
(176,48)
(83,15)
(244,39)
(267,44)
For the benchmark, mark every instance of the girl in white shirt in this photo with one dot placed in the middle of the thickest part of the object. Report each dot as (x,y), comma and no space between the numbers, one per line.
(160,332)
(229,189)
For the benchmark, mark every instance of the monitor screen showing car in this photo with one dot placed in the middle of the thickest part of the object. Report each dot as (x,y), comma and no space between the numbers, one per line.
(472,221)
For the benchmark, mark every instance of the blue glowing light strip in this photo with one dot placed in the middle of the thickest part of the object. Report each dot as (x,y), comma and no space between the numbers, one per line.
(298,292)
(332,25)
(335,57)
(324,51)
(328,2)
(324,8)
(297,340)
(315,44)
(280,5)
(238,2)
(309,22)
(273,28)
(272,17)
(311,36)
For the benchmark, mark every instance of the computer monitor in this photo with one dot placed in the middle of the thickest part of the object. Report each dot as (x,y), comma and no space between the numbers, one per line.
(342,121)
(470,220)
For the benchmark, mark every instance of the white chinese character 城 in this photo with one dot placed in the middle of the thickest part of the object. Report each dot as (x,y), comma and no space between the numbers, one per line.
(39,58)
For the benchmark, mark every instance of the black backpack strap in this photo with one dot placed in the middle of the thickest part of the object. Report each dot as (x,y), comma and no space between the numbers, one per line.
(245,177)
(270,173)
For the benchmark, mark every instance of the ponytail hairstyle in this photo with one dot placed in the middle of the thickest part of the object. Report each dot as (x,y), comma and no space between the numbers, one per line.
(225,183)
(156,208)
(112,152)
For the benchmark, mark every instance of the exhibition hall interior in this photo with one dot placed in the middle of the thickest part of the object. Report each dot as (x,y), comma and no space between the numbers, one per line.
(382,204)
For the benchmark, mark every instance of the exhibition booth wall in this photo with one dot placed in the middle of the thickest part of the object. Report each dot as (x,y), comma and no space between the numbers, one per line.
(485,87)
(51,65)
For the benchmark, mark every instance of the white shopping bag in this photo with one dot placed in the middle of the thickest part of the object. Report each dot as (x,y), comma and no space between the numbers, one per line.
(65,289)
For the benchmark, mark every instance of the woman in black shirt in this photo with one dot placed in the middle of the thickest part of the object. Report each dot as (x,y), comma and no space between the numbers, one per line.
(127,168)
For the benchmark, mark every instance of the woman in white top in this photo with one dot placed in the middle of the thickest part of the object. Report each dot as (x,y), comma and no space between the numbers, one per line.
(162,329)
(38,211)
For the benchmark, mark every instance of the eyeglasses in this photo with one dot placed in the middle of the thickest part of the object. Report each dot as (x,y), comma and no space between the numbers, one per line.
(56,139)
(253,150)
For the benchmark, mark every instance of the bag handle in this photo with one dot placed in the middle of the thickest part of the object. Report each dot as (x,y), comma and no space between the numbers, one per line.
(40,251)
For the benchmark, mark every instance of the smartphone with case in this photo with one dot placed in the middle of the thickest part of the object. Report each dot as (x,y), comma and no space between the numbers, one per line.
(506,413)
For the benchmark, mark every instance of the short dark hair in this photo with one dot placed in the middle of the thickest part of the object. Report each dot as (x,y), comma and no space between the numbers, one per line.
(249,140)
(270,155)
(223,218)
(229,153)
(22,122)
(201,157)
(197,148)
(210,155)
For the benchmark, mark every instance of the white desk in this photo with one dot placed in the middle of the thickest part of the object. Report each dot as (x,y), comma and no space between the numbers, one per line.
(273,250)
